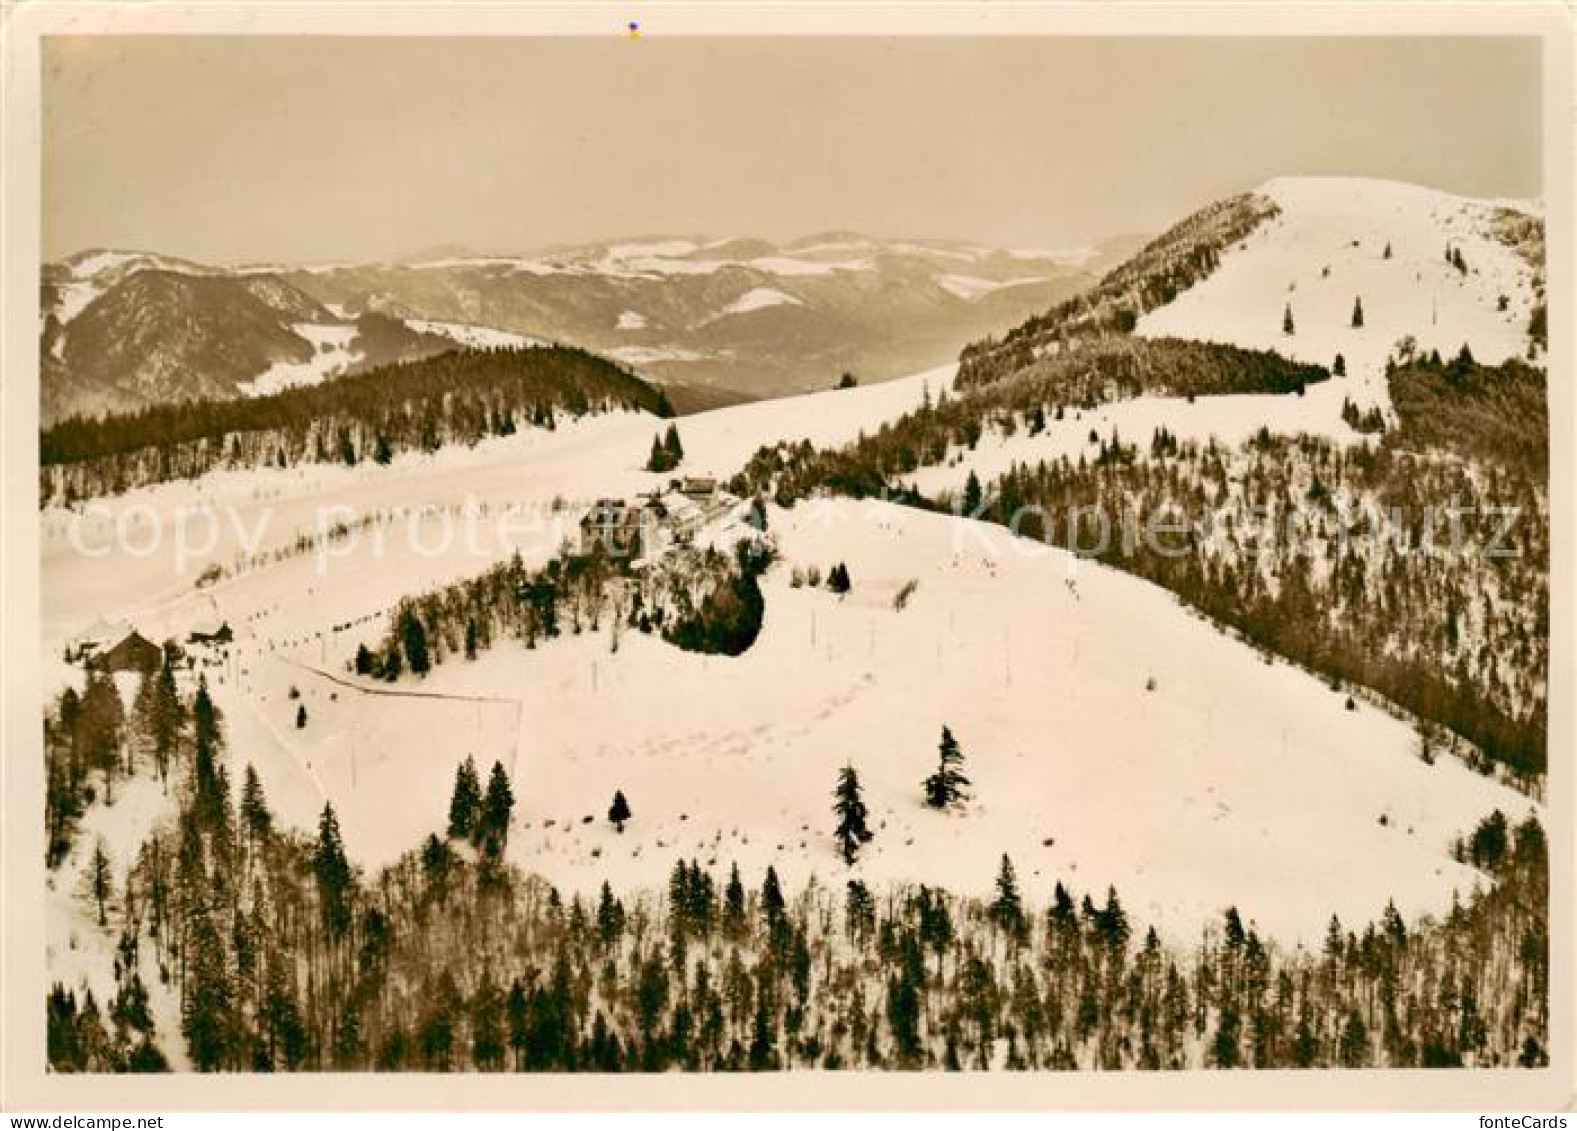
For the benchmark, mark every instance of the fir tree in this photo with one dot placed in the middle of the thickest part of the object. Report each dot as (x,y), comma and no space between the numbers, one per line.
(301,716)
(1007,907)
(972,494)
(849,807)
(734,904)
(413,637)
(255,817)
(859,911)
(1357,314)
(619,811)
(497,807)
(1339,366)
(610,916)
(101,879)
(657,459)
(465,803)
(1288,326)
(332,872)
(948,786)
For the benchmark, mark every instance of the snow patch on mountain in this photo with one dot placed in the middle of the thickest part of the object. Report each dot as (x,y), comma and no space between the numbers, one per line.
(473,337)
(1064,257)
(759,298)
(969,287)
(647,355)
(335,351)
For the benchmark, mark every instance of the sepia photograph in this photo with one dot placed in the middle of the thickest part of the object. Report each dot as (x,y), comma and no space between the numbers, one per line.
(642,548)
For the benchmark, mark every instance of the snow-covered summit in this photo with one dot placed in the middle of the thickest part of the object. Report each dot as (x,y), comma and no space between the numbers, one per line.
(1355,266)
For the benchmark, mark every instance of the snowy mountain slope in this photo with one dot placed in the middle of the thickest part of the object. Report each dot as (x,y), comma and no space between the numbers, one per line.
(675,306)
(1237,775)
(1321,249)
(1230,781)
(265,510)
(143,330)
(1327,250)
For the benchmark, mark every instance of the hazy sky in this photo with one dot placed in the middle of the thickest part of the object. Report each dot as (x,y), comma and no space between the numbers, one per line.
(320,149)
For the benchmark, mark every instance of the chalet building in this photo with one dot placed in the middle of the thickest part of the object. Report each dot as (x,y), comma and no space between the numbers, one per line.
(618,528)
(211,634)
(702,488)
(133,653)
(93,639)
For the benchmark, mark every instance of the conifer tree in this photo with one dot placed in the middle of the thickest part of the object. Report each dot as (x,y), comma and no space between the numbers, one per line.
(848,806)
(255,817)
(301,716)
(1339,366)
(1357,313)
(619,811)
(497,807)
(1007,907)
(859,911)
(610,916)
(100,879)
(465,803)
(332,871)
(1288,326)
(947,786)
(771,898)
(166,715)
(972,494)
(413,637)
(734,904)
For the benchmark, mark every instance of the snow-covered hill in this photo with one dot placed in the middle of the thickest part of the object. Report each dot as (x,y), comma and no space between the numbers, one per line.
(1228,781)
(1339,242)
(1327,245)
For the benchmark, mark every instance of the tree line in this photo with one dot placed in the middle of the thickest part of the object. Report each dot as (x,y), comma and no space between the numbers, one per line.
(1154,276)
(459,397)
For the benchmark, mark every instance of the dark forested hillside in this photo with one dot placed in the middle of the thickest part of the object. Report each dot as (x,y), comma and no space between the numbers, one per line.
(282,955)
(1154,276)
(459,397)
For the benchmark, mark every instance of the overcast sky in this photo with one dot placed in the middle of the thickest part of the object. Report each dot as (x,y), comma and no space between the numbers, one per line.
(230,150)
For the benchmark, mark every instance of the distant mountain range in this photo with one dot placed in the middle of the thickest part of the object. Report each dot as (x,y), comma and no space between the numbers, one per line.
(713,321)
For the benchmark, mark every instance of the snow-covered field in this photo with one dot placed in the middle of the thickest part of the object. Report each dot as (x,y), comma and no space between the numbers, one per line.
(1112,737)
